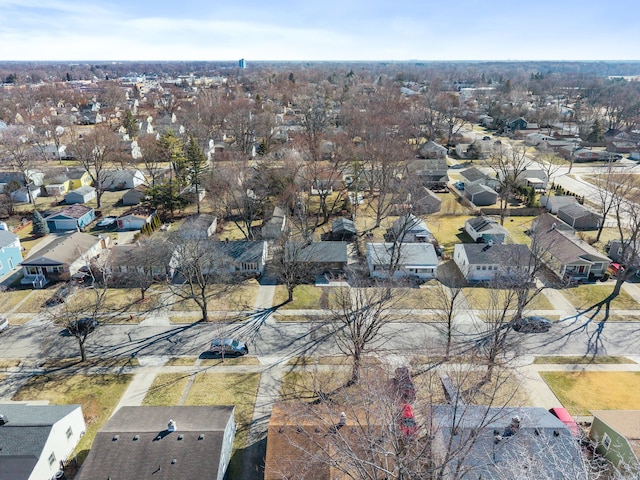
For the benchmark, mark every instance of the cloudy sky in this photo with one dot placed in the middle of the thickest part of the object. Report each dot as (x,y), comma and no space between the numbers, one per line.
(319,30)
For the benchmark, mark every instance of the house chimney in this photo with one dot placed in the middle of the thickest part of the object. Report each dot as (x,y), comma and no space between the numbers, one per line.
(171,427)
(343,419)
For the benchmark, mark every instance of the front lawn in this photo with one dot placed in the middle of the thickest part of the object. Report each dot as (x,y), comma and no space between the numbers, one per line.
(481,298)
(166,389)
(581,392)
(573,360)
(11,298)
(306,297)
(224,297)
(584,296)
(98,395)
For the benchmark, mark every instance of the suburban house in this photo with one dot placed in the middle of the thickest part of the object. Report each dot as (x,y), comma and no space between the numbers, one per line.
(242,257)
(10,250)
(276,225)
(407,260)
(57,186)
(629,257)
(122,179)
(480,195)
(163,443)
(136,218)
(425,201)
(432,149)
(480,263)
(474,175)
(342,229)
(26,194)
(554,202)
(80,195)
(617,435)
(36,439)
(568,256)
(432,172)
(142,259)
(61,258)
(200,226)
(320,257)
(485,229)
(579,217)
(78,178)
(545,221)
(534,177)
(495,442)
(74,217)
(411,229)
(193,193)
(36,177)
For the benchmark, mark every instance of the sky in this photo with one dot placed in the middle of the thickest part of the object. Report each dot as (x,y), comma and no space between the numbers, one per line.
(262,30)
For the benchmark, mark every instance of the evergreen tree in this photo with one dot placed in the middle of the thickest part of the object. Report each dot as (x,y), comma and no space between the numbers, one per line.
(130,124)
(39,226)
(196,164)
(596,135)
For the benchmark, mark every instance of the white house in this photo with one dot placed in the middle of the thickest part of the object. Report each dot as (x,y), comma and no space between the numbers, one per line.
(411,229)
(122,179)
(136,218)
(34,439)
(80,195)
(484,229)
(408,260)
(479,262)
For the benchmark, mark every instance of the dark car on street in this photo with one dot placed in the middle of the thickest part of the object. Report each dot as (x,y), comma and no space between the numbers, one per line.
(82,326)
(228,347)
(532,324)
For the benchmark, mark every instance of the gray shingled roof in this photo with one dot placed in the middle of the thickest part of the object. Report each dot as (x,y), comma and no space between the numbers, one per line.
(135,444)
(411,253)
(64,249)
(7,238)
(24,436)
(512,254)
(486,224)
(325,252)
(242,251)
(473,174)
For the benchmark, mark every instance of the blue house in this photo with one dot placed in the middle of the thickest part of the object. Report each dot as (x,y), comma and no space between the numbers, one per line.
(10,251)
(73,217)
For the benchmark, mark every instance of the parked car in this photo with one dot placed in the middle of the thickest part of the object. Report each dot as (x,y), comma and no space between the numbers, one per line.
(459,185)
(532,324)
(4,322)
(458,166)
(565,417)
(228,346)
(408,423)
(404,386)
(82,326)
(107,222)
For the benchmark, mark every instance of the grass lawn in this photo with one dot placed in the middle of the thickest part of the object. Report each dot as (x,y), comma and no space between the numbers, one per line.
(446,229)
(570,359)
(121,300)
(516,227)
(580,392)
(482,299)
(230,361)
(239,389)
(98,395)
(166,389)
(305,384)
(224,297)
(306,297)
(9,299)
(231,231)
(583,296)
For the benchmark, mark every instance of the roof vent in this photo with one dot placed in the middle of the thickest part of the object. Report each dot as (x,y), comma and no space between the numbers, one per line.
(180,437)
(115,438)
(343,419)
(3,419)
(201,436)
(174,461)
(171,427)
(136,437)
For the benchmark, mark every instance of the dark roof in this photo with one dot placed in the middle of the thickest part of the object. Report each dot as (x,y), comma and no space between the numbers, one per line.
(482,223)
(546,222)
(241,251)
(200,222)
(73,211)
(568,248)
(512,254)
(575,210)
(473,174)
(135,444)
(24,436)
(343,225)
(325,252)
(75,174)
(476,188)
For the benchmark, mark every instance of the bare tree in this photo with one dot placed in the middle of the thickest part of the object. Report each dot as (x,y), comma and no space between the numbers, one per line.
(96,152)
(19,154)
(612,187)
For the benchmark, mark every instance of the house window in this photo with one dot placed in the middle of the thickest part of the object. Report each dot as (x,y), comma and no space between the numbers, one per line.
(619,251)
(69,433)
(596,266)
(32,270)
(52,459)
(484,267)
(606,441)
(477,267)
